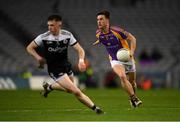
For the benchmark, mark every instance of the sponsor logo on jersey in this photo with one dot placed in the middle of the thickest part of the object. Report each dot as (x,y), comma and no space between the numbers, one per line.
(57,49)
(113,46)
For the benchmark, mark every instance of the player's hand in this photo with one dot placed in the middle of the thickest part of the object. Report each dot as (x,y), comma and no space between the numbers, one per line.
(131,54)
(81,65)
(41,62)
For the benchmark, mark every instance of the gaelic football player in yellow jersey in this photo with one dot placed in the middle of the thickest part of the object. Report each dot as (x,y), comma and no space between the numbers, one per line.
(115,38)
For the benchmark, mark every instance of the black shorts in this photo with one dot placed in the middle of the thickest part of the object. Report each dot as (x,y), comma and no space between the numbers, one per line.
(57,72)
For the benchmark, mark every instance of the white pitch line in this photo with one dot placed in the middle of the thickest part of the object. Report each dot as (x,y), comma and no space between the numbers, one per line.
(44,110)
(70,110)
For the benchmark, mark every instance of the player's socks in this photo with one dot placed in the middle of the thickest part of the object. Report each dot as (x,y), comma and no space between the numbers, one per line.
(135,102)
(97,109)
(49,88)
(45,92)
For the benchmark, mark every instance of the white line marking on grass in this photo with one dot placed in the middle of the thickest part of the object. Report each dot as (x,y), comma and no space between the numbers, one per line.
(44,110)
(158,108)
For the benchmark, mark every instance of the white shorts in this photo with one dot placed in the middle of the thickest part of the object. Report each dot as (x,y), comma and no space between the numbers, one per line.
(129,66)
(56,77)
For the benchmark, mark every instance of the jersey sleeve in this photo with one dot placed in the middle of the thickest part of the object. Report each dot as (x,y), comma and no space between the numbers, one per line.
(97,37)
(38,40)
(124,34)
(73,41)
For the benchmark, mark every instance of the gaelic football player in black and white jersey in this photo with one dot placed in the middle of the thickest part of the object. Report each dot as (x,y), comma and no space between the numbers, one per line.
(55,44)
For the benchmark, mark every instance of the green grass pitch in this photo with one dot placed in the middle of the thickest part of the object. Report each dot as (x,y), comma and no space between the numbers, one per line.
(27,105)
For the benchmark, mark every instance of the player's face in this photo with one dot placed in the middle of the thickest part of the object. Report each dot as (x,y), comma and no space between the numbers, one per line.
(54,26)
(102,21)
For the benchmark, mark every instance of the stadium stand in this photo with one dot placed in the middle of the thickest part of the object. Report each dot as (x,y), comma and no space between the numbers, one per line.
(155,23)
(13,55)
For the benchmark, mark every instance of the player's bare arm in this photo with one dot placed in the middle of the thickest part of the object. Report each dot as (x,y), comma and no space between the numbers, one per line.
(81,54)
(31,49)
(96,42)
(132,40)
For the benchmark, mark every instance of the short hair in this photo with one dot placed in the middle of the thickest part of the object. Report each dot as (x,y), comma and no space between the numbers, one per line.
(105,13)
(54,17)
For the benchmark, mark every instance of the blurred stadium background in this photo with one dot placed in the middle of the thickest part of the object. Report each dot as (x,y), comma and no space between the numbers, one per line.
(155,23)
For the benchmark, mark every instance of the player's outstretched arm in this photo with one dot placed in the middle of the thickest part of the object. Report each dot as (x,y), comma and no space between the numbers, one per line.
(96,42)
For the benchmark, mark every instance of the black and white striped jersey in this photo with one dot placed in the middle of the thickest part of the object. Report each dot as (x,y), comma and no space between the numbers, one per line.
(55,47)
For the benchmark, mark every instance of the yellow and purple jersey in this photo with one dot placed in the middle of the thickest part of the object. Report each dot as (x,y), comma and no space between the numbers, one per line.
(113,41)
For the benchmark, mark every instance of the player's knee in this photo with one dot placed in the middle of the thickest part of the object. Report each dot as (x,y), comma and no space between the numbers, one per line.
(133,83)
(123,77)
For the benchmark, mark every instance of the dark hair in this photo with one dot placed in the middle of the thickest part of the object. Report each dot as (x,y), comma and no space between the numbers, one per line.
(105,13)
(54,17)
